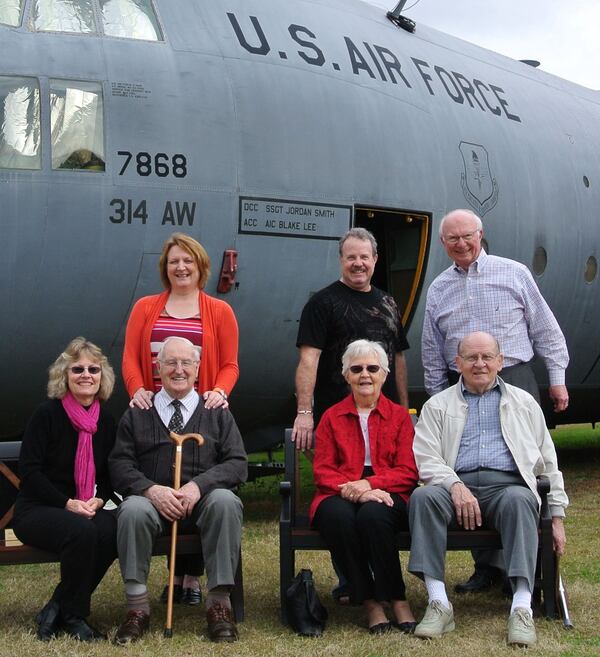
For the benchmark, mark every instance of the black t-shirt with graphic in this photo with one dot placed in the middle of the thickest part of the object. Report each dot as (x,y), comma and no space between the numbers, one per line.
(334,317)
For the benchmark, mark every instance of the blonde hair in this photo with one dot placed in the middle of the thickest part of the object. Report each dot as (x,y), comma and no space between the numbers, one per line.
(194,248)
(57,373)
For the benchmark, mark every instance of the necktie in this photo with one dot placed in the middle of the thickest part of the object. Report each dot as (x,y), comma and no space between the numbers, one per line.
(176,421)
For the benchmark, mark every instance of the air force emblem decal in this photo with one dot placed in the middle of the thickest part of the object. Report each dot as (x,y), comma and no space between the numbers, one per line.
(478,185)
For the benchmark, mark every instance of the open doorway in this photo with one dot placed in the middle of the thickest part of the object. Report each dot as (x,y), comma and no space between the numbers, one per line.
(403,239)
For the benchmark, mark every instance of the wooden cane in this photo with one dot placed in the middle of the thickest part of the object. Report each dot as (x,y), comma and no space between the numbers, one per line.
(178,440)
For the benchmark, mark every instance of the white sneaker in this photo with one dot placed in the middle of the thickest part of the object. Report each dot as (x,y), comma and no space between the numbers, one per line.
(437,621)
(521,630)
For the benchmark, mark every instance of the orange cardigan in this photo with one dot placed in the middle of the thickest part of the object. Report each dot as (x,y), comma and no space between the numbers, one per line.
(218,365)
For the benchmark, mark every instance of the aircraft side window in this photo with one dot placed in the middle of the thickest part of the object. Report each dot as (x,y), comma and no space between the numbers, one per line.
(130,19)
(77,125)
(20,138)
(10,12)
(63,16)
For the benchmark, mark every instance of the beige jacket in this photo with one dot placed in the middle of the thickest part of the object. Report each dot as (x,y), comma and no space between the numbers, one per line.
(439,430)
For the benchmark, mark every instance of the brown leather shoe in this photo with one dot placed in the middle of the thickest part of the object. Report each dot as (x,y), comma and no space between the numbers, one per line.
(135,624)
(221,628)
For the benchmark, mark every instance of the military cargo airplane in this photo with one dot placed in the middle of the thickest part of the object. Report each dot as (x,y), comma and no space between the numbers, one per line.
(265,129)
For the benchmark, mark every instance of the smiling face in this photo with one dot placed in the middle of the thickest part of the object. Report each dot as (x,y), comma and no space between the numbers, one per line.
(365,385)
(479,361)
(357,263)
(461,238)
(178,368)
(84,385)
(182,270)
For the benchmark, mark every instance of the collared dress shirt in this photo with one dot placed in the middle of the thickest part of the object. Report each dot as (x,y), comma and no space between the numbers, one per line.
(162,402)
(482,444)
(500,297)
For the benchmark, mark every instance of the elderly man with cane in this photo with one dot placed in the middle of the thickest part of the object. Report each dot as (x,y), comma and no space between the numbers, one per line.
(141,467)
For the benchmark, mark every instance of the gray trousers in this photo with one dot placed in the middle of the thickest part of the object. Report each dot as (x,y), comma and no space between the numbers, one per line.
(506,504)
(217,517)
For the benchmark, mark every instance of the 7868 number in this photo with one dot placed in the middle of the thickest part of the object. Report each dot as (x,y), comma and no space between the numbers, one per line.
(161,164)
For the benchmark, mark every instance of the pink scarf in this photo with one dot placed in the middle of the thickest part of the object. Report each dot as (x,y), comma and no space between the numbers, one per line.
(86,422)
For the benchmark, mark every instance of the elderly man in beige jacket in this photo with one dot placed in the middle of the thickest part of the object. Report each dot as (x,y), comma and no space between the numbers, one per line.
(479,446)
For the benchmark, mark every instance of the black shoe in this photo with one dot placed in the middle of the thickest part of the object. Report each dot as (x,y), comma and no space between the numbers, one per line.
(177,594)
(407,627)
(78,628)
(192,597)
(381,628)
(47,621)
(482,579)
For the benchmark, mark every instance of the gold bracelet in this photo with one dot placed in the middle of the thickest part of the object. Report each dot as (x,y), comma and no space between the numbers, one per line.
(304,412)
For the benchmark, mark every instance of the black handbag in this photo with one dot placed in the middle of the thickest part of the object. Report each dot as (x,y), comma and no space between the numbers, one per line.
(305,612)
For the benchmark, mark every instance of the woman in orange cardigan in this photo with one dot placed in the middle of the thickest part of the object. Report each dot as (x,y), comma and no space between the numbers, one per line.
(184,310)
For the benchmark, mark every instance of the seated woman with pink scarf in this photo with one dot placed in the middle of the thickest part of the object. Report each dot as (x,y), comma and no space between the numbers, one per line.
(65,484)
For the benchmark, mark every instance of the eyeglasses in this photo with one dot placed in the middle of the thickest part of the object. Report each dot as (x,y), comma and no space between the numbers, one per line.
(172,363)
(467,237)
(357,369)
(80,369)
(473,358)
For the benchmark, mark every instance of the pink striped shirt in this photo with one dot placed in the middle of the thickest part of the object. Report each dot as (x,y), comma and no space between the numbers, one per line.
(167,326)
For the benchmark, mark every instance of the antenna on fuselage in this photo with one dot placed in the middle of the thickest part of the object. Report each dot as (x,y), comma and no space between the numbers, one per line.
(401,21)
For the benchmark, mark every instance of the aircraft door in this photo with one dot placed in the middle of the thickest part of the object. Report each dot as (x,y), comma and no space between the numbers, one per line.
(403,243)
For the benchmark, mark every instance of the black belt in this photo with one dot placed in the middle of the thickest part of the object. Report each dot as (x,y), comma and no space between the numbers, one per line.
(485,470)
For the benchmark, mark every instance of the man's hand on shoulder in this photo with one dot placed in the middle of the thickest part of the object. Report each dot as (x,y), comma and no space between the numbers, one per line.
(468,514)
(166,502)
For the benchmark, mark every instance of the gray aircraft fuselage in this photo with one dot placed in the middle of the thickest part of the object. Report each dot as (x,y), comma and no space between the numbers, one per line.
(269,128)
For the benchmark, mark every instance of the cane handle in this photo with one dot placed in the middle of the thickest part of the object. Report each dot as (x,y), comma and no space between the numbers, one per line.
(179,439)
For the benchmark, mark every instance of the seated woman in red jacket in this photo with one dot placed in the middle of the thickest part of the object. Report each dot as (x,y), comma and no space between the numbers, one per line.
(364,473)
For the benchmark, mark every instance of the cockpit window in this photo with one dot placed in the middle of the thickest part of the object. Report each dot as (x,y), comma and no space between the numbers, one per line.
(19,123)
(77,125)
(63,16)
(10,12)
(130,19)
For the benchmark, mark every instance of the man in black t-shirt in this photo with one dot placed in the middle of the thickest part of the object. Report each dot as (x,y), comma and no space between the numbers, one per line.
(346,310)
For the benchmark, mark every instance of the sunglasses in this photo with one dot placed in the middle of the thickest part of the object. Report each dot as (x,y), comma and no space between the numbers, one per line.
(357,369)
(80,369)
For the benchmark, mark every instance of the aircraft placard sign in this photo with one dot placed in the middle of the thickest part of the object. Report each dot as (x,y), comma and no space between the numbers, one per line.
(268,216)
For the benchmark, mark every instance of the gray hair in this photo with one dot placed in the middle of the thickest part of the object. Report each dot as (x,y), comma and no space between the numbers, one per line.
(359,234)
(360,348)
(461,210)
(195,348)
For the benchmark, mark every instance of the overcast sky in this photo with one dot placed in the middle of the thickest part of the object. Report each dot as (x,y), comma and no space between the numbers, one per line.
(564,35)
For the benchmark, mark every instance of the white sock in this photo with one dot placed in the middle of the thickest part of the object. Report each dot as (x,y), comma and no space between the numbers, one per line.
(134,588)
(436,590)
(521,595)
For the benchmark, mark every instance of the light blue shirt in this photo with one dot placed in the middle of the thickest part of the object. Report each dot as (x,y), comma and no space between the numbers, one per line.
(500,297)
(482,444)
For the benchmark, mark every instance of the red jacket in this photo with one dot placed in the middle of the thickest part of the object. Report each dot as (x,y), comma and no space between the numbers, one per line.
(218,365)
(340,450)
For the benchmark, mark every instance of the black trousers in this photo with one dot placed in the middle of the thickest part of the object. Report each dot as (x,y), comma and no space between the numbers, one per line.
(362,541)
(86,549)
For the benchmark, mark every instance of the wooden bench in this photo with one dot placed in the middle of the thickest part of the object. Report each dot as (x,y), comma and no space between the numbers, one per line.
(12,554)
(296,534)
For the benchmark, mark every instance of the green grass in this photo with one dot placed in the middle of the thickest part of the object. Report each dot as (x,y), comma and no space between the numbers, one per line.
(481,619)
